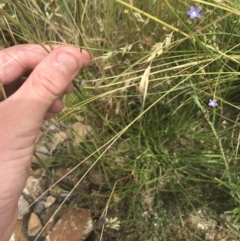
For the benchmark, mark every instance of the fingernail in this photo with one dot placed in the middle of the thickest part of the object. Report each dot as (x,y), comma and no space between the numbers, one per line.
(67,62)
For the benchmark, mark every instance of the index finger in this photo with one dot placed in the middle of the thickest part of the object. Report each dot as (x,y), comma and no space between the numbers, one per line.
(20,60)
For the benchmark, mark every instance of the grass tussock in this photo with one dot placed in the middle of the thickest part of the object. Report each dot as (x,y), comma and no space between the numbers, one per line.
(162,151)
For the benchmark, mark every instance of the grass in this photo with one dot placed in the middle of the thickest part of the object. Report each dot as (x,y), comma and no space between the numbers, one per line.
(162,151)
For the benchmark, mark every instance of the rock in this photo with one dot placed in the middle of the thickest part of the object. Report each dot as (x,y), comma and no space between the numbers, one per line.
(48,228)
(52,134)
(75,225)
(96,177)
(34,224)
(63,172)
(36,184)
(49,213)
(41,149)
(39,207)
(50,201)
(18,232)
(22,207)
(47,160)
(57,139)
(80,131)
(202,221)
(131,237)
(47,145)
(54,125)
(51,124)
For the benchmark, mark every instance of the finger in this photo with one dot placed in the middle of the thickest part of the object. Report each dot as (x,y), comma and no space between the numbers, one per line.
(20,60)
(12,88)
(56,107)
(47,83)
(69,88)
(49,115)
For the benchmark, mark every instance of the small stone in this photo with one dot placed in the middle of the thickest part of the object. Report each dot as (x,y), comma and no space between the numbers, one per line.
(80,131)
(39,207)
(23,207)
(43,157)
(41,149)
(18,232)
(49,213)
(96,177)
(52,127)
(50,201)
(34,224)
(75,225)
(131,237)
(48,228)
(57,139)
(36,184)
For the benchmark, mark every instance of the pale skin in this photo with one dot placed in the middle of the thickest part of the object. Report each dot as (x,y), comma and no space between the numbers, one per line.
(29,102)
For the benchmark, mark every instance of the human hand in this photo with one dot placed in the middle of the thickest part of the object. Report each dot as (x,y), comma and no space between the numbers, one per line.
(22,113)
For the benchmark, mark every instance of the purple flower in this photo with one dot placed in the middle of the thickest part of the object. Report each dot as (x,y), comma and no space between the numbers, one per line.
(194,12)
(104,220)
(212,103)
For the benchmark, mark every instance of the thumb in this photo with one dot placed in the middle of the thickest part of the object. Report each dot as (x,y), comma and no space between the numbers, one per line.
(48,81)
